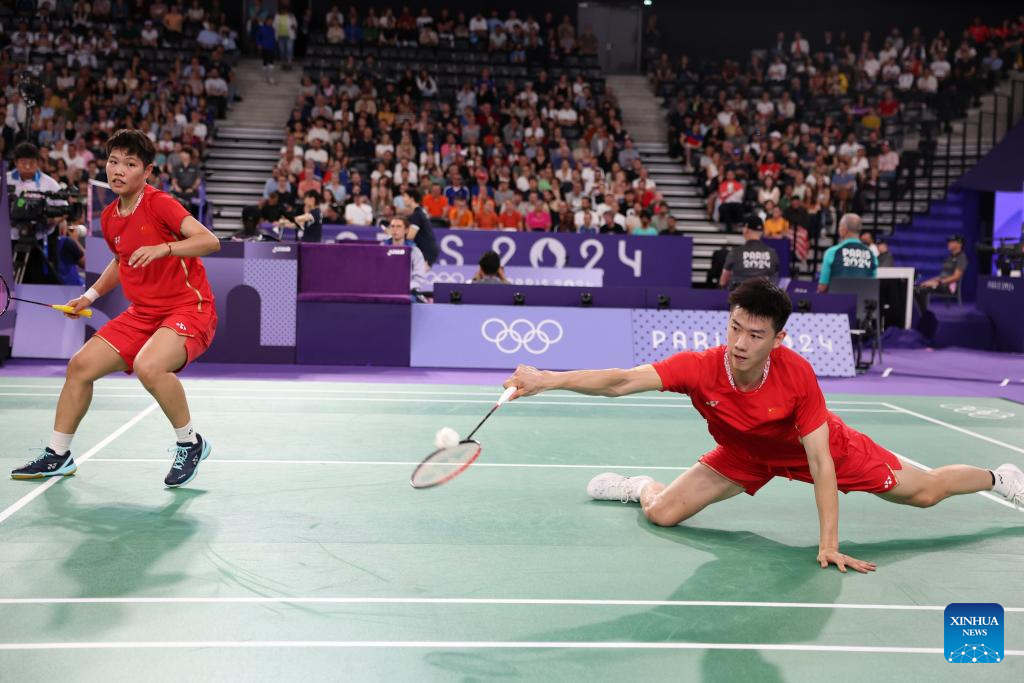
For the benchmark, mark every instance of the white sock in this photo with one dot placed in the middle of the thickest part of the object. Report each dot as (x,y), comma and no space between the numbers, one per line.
(186,434)
(60,443)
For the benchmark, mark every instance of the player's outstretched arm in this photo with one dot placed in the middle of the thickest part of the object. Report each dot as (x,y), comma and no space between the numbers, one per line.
(613,382)
(826,497)
(108,280)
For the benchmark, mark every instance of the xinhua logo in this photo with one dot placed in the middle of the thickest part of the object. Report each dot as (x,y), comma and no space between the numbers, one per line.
(973,633)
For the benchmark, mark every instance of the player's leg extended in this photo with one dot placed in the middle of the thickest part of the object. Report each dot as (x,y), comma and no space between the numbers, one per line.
(94,360)
(691,492)
(155,366)
(923,489)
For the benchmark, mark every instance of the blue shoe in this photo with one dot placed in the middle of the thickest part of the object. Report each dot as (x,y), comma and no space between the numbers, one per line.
(187,457)
(48,464)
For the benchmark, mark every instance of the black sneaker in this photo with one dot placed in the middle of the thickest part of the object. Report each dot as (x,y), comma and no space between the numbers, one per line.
(48,464)
(187,457)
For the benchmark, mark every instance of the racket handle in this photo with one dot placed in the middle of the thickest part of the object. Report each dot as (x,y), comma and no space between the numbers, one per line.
(85,312)
(507,394)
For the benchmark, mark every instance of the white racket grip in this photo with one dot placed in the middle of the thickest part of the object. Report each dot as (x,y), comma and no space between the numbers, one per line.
(507,394)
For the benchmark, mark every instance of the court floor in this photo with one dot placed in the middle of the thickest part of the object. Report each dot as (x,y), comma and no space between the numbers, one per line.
(300,552)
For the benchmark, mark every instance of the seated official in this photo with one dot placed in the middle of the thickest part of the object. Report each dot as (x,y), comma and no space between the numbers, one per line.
(309,225)
(850,257)
(751,259)
(949,280)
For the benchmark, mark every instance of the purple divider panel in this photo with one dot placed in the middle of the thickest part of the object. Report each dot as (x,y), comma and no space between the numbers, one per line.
(337,333)
(1002,300)
(353,268)
(822,338)
(446,335)
(684,297)
(626,260)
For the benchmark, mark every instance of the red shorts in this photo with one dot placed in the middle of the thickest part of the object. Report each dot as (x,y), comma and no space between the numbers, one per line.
(862,465)
(128,332)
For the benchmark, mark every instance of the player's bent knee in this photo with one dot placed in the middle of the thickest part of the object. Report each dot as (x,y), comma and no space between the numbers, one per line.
(81,369)
(661,515)
(926,498)
(147,371)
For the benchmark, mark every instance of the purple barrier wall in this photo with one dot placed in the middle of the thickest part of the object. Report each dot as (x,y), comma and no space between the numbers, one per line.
(497,295)
(1002,300)
(560,338)
(42,333)
(354,272)
(625,260)
(336,333)
(6,320)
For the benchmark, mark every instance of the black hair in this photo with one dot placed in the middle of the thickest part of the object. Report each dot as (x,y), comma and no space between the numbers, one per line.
(135,142)
(413,194)
(26,150)
(490,262)
(761,298)
(867,231)
(315,195)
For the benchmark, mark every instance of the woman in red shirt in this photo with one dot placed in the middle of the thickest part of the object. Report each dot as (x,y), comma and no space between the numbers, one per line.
(171,320)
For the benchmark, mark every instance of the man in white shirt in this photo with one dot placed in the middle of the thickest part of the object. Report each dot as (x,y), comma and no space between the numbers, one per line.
(850,147)
(317,153)
(405,165)
(26,178)
(359,211)
(928,83)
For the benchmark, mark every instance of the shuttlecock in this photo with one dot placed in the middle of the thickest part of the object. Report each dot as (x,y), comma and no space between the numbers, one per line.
(446,437)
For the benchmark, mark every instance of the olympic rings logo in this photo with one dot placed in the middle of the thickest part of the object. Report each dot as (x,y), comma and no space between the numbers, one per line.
(978,412)
(456,278)
(522,334)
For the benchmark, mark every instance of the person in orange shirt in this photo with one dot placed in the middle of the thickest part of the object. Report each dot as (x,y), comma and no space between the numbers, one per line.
(487,218)
(510,217)
(776,225)
(436,203)
(459,216)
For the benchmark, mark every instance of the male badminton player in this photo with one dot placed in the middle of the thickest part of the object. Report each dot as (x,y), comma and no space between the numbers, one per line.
(767,414)
(170,322)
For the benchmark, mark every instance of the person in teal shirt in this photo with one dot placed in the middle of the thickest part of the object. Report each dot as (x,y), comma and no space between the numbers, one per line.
(850,257)
(645,227)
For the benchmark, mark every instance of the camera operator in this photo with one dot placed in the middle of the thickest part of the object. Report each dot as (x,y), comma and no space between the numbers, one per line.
(26,178)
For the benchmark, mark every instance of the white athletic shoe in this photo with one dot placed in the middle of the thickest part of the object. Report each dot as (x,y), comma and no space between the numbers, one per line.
(611,486)
(1010,484)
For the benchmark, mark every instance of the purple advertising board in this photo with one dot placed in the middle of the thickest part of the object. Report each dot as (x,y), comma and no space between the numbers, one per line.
(822,338)
(626,260)
(449,335)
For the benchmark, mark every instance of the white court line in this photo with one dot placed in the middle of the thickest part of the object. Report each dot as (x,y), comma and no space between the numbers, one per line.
(947,425)
(558,602)
(984,494)
(473,645)
(364,399)
(411,392)
(41,489)
(409,463)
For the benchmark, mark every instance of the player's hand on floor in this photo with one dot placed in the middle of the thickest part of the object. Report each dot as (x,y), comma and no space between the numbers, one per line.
(833,556)
(529,379)
(78,304)
(143,256)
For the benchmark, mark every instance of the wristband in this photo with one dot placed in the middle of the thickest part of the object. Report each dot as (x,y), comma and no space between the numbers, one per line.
(168,248)
(91,294)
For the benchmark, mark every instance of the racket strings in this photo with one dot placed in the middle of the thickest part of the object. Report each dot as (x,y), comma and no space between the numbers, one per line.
(445,463)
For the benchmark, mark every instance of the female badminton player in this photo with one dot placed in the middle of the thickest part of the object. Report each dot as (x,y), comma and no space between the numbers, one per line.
(170,322)
(766,412)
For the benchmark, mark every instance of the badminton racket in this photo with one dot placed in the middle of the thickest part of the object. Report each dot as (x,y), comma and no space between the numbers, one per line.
(446,463)
(6,298)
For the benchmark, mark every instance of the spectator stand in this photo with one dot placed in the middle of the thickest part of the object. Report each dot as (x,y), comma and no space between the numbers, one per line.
(114,66)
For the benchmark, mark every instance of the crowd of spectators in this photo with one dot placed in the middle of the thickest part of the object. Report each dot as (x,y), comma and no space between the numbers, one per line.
(808,130)
(110,64)
(548,153)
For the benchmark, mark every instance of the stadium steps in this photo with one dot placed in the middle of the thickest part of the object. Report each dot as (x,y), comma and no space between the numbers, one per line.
(247,145)
(641,111)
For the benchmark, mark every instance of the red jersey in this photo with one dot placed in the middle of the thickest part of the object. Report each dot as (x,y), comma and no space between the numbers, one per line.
(766,424)
(168,283)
